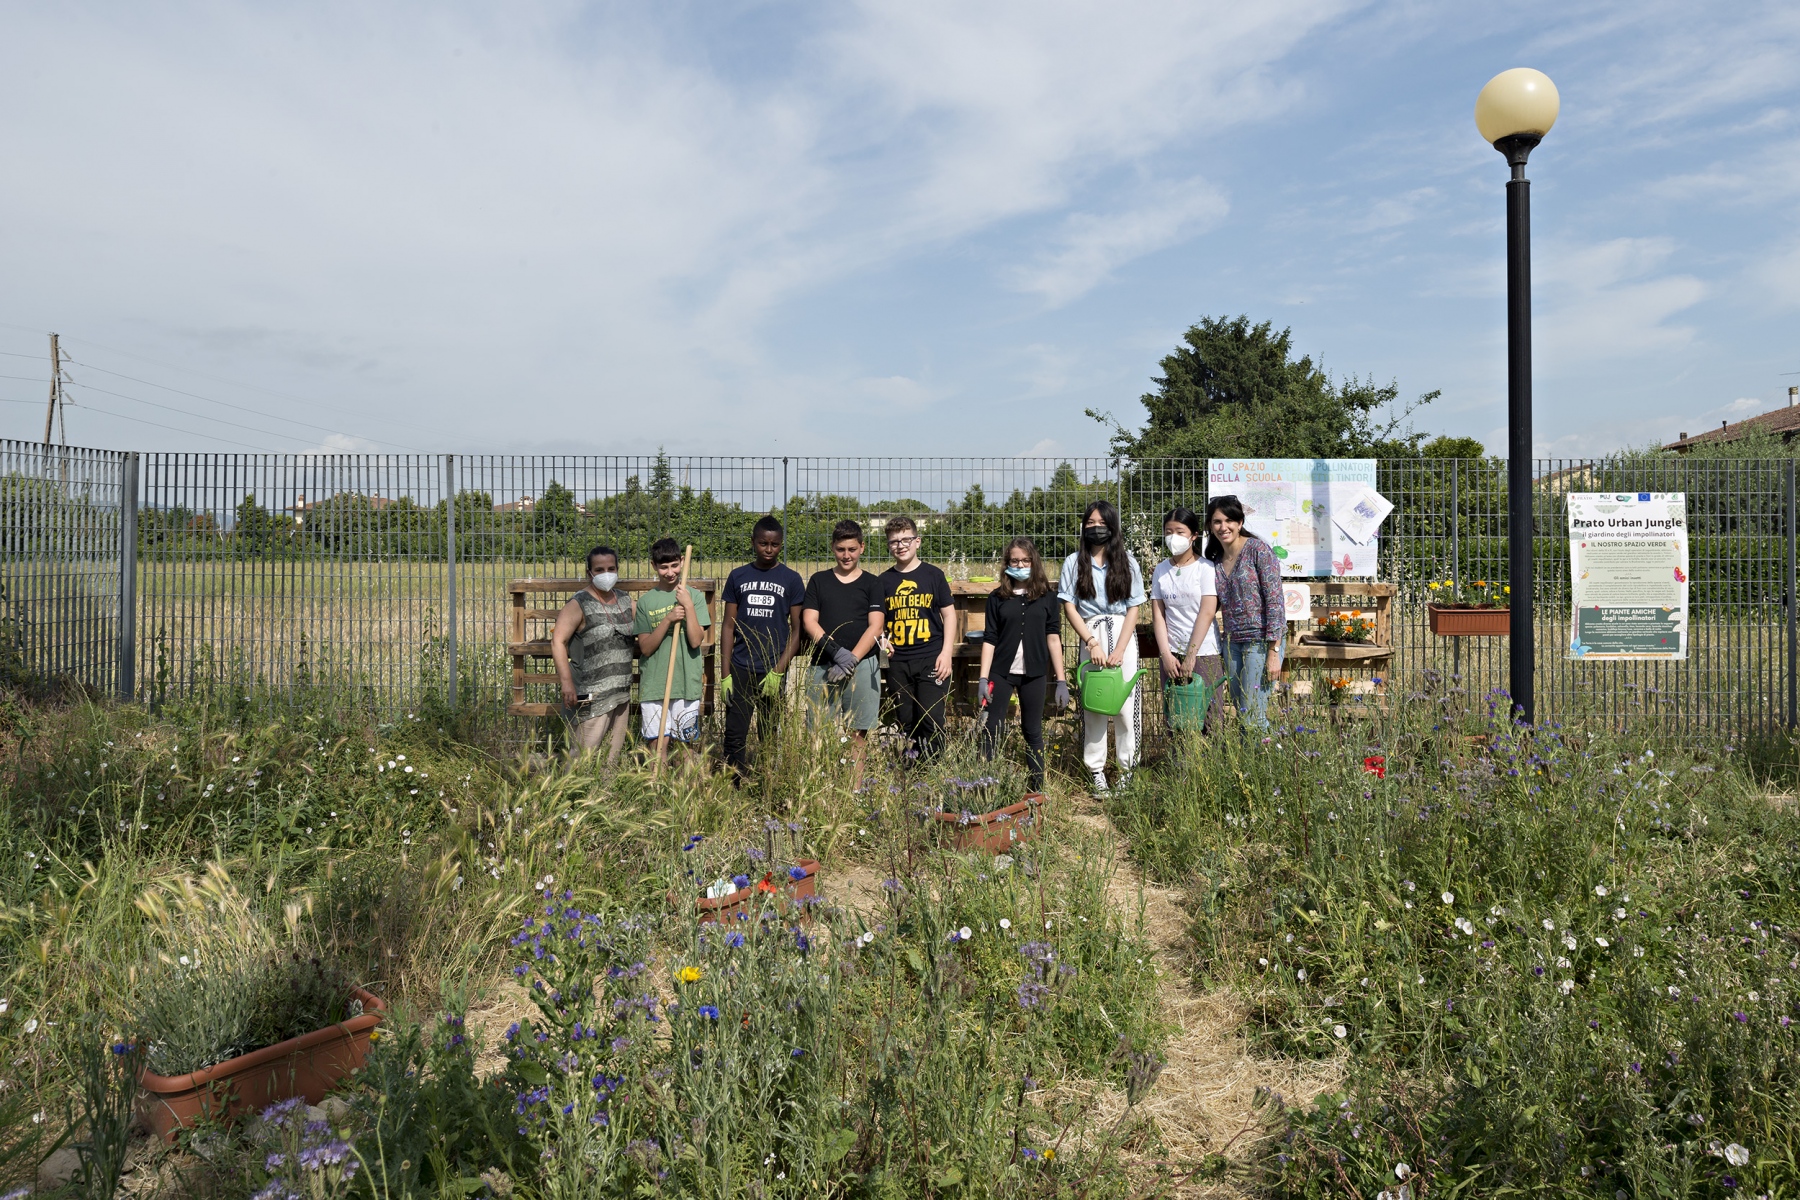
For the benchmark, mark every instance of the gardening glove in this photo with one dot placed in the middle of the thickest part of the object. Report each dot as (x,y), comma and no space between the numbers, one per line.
(836,674)
(725,689)
(771,684)
(1062,694)
(844,659)
(984,691)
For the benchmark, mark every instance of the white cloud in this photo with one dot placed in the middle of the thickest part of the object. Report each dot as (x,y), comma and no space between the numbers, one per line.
(342,443)
(1088,247)
(1604,302)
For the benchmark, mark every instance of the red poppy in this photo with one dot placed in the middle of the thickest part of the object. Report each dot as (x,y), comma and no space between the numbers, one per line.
(1376,765)
(766,883)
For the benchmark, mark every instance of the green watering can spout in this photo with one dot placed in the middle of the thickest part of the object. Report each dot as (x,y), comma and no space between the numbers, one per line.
(1105,689)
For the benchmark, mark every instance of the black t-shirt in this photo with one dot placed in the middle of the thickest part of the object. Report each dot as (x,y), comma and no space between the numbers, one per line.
(914,624)
(843,609)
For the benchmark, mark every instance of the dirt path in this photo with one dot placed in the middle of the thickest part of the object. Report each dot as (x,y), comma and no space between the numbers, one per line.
(1203,1102)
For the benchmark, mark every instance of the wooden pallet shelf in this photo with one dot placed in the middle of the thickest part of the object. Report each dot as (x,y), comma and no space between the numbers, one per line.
(523,648)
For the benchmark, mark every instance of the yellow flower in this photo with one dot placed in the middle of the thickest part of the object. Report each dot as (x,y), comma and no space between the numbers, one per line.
(1434,586)
(688,975)
(1481,583)
(374,1035)
(1509,589)
(1050,1153)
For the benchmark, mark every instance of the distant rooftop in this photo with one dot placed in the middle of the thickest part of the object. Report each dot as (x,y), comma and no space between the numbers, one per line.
(1783,422)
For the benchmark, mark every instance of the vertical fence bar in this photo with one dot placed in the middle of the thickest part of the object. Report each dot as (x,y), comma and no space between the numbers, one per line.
(1787,591)
(450,573)
(128,555)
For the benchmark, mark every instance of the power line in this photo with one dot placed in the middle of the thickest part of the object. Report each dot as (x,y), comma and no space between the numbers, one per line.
(256,412)
(359,415)
(173,429)
(88,387)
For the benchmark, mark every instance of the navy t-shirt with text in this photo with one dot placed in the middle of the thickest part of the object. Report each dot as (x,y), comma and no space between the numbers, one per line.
(764,600)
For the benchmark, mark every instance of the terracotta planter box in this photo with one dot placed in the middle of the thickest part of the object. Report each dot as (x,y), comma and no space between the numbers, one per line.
(743,904)
(1469,622)
(998,831)
(309,1065)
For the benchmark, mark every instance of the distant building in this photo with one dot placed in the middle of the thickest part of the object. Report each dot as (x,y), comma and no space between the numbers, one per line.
(302,505)
(1784,423)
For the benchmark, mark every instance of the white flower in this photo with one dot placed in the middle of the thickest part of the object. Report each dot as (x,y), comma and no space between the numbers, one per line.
(1300,974)
(183,960)
(1411,886)
(1562,962)
(1449,897)
(456,884)
(1338,1031)
(1673,990)
(1568,939)
(1737,1155)
(1402,1171)
(868,936)
(1600,890)
(1262,962)
(4,1005)
(1006,922)
(1618,914)
(1549,924)
(31,1025)
(409,769)
(1754,997)
(1566,986)
(37,1118)
(963,934)
(234,758)
(401,757)
(1601,942)
(1465,925)
(1637,952)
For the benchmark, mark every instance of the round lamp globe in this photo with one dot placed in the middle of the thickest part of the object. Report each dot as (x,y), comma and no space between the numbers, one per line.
(1519,101)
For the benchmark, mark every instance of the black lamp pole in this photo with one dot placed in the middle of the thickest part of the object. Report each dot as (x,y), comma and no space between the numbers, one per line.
(1520,527)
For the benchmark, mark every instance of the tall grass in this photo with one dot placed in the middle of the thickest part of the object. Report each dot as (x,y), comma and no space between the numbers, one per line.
(1555,961)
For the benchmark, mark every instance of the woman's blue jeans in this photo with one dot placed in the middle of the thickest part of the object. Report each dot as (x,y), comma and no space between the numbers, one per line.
(1248,664)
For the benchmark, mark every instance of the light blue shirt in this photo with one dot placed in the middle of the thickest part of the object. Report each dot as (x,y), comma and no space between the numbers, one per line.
(1099,606)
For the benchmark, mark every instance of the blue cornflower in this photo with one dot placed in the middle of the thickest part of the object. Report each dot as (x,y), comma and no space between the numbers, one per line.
(709,1012)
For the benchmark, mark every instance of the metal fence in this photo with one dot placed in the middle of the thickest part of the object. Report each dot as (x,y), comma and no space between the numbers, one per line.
(386,574)
(65,578)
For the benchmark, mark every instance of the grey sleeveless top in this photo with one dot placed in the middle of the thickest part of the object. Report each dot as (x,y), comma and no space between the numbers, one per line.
(600,653)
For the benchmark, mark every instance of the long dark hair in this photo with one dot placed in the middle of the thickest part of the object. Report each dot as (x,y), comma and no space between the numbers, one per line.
(1038,585)
(1233,511)
(1118,562)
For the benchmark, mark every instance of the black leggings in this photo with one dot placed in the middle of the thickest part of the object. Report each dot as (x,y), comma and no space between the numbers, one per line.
(1031,720)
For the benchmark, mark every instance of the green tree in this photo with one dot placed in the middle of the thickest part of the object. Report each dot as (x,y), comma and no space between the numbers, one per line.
(1233,388)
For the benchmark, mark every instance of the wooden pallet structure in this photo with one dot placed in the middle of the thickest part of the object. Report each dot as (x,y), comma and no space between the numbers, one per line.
(527,618)
(1365,668)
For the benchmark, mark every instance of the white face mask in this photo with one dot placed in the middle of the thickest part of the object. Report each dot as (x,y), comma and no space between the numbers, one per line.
(1177,545)
(604,581)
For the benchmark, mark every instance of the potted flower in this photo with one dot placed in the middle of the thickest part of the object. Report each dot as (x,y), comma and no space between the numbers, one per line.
(1479,609)
(978,825)
(230,1033)
(740,891)
(1345,627)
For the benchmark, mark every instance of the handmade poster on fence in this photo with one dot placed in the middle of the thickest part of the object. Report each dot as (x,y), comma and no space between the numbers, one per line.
(1628,562)
(1319,514)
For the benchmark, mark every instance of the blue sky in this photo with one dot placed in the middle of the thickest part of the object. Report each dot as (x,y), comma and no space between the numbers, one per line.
(924,228)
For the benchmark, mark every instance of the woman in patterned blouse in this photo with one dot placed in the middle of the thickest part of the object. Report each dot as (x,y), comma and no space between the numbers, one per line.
(1251,604)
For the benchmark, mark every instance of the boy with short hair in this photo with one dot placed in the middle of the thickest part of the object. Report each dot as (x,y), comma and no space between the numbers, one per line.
(659,612)
(921,627)
(843,617)
(758,639)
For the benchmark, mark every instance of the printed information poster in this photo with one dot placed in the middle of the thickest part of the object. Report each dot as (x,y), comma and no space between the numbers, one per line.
(1319,514)
(1628,558)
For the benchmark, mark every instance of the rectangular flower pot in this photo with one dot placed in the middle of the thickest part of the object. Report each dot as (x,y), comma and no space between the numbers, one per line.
(1469,622)
(998,831)
(745,903)
(309,1065)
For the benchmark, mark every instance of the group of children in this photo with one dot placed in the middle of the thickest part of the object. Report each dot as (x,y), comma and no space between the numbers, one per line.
(852,619)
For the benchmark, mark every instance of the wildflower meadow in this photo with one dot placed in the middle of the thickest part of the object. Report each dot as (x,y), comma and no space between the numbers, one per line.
(1487,959)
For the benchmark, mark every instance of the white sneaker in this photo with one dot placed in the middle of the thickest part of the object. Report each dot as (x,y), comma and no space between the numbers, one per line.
(1100,788)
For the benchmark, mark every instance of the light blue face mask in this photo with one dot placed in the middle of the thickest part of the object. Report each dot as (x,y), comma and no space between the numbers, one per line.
(1019,573)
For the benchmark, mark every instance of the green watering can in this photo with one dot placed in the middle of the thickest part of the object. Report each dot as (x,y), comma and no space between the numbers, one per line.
(1104,690)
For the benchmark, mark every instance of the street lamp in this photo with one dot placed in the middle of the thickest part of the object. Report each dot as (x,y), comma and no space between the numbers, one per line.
(1514,112)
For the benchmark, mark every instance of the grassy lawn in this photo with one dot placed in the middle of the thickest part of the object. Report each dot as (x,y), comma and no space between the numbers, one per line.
(1562,963)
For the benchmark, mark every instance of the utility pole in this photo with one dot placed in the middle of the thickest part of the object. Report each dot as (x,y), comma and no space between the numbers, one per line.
(54,411)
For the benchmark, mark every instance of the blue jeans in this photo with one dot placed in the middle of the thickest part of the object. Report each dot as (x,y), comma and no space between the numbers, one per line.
(1248,664)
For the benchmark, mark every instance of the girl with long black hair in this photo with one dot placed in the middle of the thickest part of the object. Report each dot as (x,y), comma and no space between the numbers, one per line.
(1020,650)
(1102,589)
(1184,598)
(1250,599)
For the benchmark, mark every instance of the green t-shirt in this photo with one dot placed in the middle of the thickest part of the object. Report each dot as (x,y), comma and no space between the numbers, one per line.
(690,672)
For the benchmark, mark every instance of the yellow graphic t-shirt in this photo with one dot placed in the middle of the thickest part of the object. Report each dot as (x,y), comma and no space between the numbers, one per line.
(912,602)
